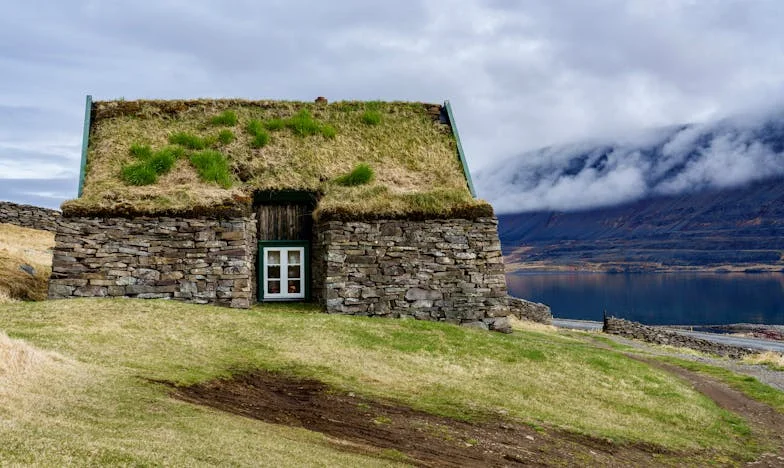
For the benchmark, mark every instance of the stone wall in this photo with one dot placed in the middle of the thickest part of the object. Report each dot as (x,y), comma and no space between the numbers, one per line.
(29,216)
(191,259)
(447,270)
(532,311)
(656,335)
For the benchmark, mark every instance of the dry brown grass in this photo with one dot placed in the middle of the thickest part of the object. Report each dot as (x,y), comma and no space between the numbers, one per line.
(768,358)
(22,246)
(18,359)
(528,325)
(410,151)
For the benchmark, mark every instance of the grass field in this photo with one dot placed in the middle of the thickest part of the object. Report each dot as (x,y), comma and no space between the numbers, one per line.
(83,389)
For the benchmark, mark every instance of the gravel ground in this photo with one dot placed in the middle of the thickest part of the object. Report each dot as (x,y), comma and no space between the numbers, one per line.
(763,373)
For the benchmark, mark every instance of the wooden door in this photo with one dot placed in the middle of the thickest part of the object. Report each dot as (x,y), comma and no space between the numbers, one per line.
(284,222)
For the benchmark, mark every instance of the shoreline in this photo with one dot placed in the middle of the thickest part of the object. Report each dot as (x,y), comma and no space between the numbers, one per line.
(512,266)
(770,332)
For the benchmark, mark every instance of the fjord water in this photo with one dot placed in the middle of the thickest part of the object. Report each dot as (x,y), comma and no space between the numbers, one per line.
(657,298)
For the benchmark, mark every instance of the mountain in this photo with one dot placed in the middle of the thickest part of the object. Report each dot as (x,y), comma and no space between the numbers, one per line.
(701,196)
(741,228)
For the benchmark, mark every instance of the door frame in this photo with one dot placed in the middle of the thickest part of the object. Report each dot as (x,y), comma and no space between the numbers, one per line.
(305,245)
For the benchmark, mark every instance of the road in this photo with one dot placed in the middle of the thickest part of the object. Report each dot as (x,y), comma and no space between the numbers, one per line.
(753,343)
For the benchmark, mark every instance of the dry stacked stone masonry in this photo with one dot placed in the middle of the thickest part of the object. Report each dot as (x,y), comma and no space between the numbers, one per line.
(29,216)
(446,270)
(656,335)
(200,260)
(532,311)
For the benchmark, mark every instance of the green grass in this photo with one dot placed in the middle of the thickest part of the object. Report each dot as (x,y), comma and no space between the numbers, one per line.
(139,173)
(255,127)
(228,118)
(362,174)
(260,140)
(744,383)
(188,140)
(371,117)
(275,124)
(118,348)
(150,164)
(259,135)
(141,152)
(303,124)
(163,160)
(212,166)
(328,131)
(226,136)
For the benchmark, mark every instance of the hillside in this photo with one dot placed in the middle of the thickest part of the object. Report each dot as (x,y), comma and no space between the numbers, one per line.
(108,382)
(732,229)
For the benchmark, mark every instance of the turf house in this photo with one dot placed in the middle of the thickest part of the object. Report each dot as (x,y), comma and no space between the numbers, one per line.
(366,208)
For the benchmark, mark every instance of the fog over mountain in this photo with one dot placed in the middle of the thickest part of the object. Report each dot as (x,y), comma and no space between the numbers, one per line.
(670,161)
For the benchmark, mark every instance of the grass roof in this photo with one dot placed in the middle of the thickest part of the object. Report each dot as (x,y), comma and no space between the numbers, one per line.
(184,148)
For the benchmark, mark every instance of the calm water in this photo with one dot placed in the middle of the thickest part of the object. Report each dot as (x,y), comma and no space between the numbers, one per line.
(658,298)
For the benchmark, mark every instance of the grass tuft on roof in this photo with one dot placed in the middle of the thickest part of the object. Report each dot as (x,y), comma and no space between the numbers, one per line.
(212,166)
(228,118)
(362,174)
(305,146)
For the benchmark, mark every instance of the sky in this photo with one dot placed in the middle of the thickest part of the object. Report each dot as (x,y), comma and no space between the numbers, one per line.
(520,74)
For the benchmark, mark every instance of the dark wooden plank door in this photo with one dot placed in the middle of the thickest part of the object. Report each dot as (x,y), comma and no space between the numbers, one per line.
(284,222)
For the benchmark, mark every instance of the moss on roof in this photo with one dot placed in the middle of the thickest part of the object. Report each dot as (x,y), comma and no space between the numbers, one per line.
(308,146)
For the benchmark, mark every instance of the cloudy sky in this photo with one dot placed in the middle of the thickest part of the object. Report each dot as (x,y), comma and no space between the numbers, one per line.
(520,74)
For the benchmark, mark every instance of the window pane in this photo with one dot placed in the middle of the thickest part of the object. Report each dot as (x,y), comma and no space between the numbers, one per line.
(273,257)
(273,271)
(294,271)
(294,286)
(273,287)
(294,257)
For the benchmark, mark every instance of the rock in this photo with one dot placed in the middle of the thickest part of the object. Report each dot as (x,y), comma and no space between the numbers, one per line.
(500,324)
(419,294)
(27,269)
(477,324)
(91,291)
(532,311)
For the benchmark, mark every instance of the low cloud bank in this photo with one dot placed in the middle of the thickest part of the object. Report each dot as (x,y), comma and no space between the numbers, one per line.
(728,153)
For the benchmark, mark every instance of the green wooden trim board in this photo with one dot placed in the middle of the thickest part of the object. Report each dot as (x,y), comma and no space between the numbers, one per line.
(460,152)
(88,107)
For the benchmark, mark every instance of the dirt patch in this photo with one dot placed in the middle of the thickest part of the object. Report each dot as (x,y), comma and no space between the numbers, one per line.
(763,419)
(386,429)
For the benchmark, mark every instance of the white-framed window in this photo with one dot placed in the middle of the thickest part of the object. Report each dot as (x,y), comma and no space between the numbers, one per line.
(284,272)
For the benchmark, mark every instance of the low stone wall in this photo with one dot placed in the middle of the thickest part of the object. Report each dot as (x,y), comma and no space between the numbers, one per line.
(29,216)
(656,335)
(447,270)
(191,259)
(532,311)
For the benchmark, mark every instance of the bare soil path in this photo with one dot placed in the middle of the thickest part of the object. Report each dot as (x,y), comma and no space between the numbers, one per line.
(390,430)
(763,419)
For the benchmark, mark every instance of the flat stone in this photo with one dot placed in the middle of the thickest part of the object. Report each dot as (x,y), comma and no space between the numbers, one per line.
(147,274)
(60,290)
(477,324)
(91,291)
(418,294)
